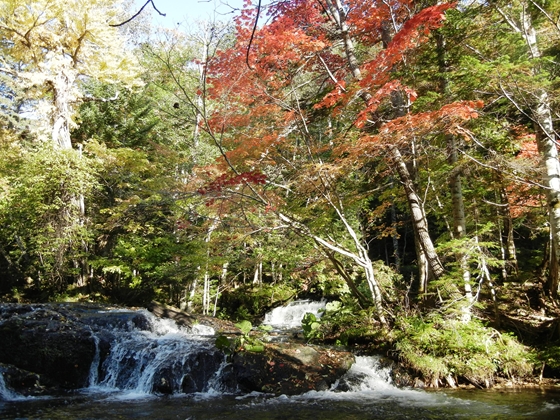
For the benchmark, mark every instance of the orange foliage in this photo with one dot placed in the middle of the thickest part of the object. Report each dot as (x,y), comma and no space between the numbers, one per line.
(299,44)
(446,119)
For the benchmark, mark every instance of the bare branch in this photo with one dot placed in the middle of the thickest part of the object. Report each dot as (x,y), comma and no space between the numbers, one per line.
(253,35)
(138,13)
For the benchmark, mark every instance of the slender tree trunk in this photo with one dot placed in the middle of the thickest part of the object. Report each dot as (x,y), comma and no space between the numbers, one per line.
(359,256)
(507,242)
(547,141)
(435,267)
(395,237)
(459,224)
(206,275)
(455,185)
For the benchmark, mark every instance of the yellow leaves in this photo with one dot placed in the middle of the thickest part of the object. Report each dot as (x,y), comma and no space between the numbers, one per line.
(48,35)
(58,43)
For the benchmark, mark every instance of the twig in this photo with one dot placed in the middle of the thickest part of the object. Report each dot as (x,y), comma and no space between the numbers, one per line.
(138,13)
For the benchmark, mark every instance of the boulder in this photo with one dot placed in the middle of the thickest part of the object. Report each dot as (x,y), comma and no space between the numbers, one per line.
(290,368)
(50,348)
(282,368)
(43,341)
(27,383)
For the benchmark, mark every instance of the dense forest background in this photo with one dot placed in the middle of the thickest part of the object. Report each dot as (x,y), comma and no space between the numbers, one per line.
(396,157)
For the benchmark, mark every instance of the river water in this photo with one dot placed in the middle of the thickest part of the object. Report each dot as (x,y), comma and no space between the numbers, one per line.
(367,404)
(365,392)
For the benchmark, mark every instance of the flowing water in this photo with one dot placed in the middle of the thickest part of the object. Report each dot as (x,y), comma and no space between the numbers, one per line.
(290,316)
(142,366)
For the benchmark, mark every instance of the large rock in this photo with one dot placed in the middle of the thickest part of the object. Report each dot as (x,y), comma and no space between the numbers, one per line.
(44,341)
(58,342)
(27,383)
(282,368)
(290,368)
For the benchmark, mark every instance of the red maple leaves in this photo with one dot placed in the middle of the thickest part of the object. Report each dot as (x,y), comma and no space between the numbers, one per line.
(225,181)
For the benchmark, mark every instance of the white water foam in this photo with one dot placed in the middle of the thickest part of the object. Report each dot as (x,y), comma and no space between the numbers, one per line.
(290,316)
(368,379)
(165,326)
(167,355)
(6,394)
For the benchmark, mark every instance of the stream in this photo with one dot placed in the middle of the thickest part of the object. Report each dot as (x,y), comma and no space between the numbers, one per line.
(120,387)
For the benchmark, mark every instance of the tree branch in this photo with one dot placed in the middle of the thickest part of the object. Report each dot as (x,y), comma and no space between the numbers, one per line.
(253,35)
(138,13)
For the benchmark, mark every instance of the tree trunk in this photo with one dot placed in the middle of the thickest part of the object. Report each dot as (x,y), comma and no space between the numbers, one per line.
(435,267)
(359,256)
(337,15)
(459,224)
(546,140)
(507,242)
(62,120)
(455,185)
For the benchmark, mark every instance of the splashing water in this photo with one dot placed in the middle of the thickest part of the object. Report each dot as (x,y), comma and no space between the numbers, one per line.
(164,359)
(290,316)
(7,394)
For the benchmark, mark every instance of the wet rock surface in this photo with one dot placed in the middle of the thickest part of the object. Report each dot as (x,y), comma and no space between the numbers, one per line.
(27,383)
(290,368)
(47,341)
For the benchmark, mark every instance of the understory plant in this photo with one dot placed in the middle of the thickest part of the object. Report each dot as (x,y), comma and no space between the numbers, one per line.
(245,341)
(451,350)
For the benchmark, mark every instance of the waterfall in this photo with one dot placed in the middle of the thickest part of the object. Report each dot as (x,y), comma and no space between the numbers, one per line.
(290,316)
(94,368)
(6,394)
(366,374)
(164,358)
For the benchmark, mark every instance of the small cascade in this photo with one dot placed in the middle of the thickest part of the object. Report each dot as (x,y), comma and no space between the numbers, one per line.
(366,374)
(290,316)
(94,368)
(165,358)
(6,394)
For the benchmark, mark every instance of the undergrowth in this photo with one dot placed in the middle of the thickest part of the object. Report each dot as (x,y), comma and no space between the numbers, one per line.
(455,351)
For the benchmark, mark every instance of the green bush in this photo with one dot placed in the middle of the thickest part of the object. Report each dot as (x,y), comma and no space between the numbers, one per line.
(439,348)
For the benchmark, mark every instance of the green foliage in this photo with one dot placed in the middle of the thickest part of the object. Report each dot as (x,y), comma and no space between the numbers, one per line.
(437,347)
(245,342)
(252,302)
(549,357)
(311,326)
(245,327)
(43,229)
(345,323)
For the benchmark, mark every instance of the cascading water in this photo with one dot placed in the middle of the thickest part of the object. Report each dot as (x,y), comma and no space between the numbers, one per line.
(6,394)
(164,358)
(138,355)
(290,316)
(366,374)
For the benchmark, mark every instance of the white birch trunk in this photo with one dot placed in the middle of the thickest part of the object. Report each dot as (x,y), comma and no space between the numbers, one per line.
(547,140)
